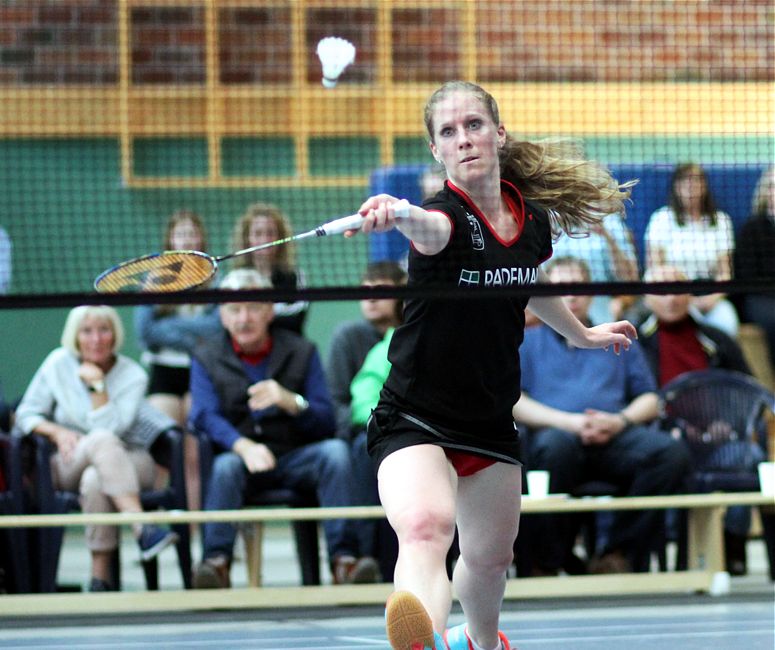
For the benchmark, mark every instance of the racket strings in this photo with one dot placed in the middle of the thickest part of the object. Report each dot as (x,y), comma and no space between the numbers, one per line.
(162,272)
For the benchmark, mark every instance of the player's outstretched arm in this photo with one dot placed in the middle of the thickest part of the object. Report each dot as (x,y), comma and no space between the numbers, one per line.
(428,231)
(552,310)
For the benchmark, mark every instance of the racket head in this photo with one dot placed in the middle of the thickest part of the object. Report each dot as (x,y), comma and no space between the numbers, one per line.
(167,271)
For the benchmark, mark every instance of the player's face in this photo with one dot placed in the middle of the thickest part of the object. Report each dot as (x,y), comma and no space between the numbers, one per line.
(185,236)
(466,139)
(96,340)
(579,305)
(247,323)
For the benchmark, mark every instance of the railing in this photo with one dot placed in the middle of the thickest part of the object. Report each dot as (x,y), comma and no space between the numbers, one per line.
(705,545)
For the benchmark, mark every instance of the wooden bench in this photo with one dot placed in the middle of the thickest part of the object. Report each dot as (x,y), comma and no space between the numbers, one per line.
(705,573)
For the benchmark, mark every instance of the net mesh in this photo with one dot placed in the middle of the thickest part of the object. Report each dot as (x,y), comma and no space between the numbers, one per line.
(116,115)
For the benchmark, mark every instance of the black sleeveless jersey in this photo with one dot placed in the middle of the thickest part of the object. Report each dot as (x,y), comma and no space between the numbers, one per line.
(456,362)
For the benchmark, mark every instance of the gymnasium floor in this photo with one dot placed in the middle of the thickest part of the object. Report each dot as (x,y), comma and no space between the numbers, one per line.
(743,619)
(674,624)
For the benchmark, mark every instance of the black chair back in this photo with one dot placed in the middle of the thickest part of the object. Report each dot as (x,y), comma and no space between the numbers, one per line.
(15,541)
(721,415)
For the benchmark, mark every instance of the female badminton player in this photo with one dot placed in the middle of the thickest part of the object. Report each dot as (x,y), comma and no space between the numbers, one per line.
(442,435)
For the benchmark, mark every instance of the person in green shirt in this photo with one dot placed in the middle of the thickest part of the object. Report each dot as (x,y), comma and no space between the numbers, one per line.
(367,383)
(379,539)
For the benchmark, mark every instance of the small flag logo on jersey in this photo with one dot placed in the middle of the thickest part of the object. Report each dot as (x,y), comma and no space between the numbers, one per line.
(468,278)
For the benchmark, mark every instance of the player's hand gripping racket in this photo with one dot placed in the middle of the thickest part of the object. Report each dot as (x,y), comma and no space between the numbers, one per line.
(180,270)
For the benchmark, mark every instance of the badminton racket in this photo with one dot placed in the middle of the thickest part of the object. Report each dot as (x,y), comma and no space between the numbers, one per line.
(170,271)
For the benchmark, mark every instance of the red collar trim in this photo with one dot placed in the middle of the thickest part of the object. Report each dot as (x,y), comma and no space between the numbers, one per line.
(514,200)
(253,358)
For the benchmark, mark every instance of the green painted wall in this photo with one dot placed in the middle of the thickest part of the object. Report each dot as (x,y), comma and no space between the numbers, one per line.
(69,217)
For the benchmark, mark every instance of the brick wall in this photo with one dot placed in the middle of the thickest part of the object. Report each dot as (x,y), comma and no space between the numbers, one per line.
(75,41)
(58,42)
(168,45)
(625,40)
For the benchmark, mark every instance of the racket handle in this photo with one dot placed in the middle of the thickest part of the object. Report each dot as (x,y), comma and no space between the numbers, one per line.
(354,221)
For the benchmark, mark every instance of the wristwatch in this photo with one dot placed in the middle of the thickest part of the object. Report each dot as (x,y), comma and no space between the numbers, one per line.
(301,403)
(96,386)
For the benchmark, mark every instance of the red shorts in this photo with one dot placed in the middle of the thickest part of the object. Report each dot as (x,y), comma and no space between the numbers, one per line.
(467,464)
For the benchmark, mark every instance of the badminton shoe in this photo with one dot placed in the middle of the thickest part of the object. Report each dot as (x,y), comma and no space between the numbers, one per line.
(408,625)
(457,638)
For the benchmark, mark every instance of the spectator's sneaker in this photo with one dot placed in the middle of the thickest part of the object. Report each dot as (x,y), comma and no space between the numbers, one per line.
(408,625)
(97,584)
(153,540)
(365,571)
(347,570)
(212,573)
(341,568)
(457,638)
(612,562)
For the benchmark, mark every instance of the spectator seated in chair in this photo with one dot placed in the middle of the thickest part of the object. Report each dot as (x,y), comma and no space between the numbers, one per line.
(593,426)
(85,398)
(352,343)
(260,395)
(754,259)
(691,234)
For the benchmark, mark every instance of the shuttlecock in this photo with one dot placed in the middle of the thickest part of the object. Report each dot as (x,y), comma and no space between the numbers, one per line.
(335,55)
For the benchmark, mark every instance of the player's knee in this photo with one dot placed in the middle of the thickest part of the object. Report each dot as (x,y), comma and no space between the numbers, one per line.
(427,525)
(484,560)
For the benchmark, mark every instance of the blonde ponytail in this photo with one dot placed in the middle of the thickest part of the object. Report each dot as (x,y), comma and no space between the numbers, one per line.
(555,174)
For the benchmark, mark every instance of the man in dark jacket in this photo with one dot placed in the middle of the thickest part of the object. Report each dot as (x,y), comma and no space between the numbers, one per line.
(261,397)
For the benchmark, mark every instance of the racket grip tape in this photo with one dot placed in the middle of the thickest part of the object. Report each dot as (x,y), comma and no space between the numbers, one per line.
(354,221)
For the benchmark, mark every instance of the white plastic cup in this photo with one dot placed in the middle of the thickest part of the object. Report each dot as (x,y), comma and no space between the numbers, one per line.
(767,478)
(538,483)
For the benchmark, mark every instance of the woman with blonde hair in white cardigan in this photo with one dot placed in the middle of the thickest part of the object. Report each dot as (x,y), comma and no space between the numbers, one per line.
(85,398)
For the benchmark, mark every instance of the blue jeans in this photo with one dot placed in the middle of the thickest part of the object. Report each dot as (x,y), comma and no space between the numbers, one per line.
(363,469)
(324,467)
(640,460)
